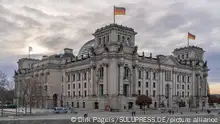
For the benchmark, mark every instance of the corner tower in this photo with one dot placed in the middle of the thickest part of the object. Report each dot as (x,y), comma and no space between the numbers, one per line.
(189,53)
(114,34)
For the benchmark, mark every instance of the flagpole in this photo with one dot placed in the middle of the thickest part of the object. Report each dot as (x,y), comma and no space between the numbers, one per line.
(188,39)
(29,52)
(114,15)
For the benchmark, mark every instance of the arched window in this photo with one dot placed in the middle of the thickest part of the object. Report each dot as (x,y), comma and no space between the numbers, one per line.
(101,72)
(128,39)
(126,73)
(123,39)
(107,38)
(119,38)
(103,40)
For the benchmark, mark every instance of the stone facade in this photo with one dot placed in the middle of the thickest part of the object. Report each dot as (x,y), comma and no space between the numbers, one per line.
(109,71)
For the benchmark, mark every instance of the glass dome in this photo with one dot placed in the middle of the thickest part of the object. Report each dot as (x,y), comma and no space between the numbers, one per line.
(85,49)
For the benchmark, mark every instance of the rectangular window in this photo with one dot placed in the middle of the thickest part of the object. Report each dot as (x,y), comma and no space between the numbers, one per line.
(79,93)
(154,93)
(84,85)
(177,86)
(188,87)
(139,92)
(188,94)
(73,77)
(154,85)
(101,90)
(79,76)
(77,104)
(85,93)
(154,76)
(178,78)
(146,84)
(74,94)
(168,75)
(182,94)
(183,78)
(73,86)
(183,87)
(79,85)
(146,92)
(84,105)
(147,75)
(68,93)
(139,84)
(188,79)
(139,74)
(72,104)
(68,86)
(85,76)
(178,93)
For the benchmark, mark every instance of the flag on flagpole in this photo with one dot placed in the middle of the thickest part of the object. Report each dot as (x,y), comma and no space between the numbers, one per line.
(191,36)
(30,49)
(119,11)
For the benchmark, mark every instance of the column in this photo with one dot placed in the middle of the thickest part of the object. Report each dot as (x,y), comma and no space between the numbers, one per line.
(134,82)
(143,82)
(92,82)
(121,79)
(105,79)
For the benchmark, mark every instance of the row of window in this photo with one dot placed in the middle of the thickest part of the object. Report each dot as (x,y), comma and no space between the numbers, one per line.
(122,38)
(168,76)
(79,86)
(103,40)
(183,56)
(74,76)
(154,93)
(154,84)
(79,94)
(77,104)
(182,87)
(183,78)
(147,75)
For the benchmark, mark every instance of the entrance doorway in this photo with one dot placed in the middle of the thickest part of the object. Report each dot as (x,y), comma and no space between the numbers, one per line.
(55,100)
(96,105)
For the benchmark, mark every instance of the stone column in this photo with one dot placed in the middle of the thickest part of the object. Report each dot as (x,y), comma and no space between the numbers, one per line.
(92,82)
(144,82)
(105,80)
(121,79)
(134,82)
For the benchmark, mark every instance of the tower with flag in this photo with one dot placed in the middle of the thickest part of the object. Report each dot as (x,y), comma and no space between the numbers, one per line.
(30,49)
(119,11)
(190,36)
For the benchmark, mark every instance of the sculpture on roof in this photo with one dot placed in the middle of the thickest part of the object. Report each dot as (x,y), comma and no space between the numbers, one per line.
(120,48)
(106,48)
(93,51)
(135,50)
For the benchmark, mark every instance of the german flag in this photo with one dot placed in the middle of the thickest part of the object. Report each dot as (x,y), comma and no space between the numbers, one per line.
(191,36)
(119,11)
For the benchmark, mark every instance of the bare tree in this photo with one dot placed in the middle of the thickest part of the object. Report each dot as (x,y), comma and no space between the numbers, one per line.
(3,84)
(31,91)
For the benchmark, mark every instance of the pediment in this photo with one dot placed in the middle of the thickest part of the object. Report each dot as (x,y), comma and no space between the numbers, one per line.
(170,60)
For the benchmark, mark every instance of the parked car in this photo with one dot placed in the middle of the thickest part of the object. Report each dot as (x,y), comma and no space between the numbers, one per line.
(60,110)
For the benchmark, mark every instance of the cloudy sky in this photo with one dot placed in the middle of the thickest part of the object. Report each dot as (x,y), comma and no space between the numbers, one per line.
(51,25)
